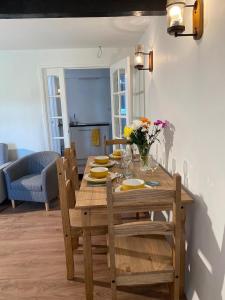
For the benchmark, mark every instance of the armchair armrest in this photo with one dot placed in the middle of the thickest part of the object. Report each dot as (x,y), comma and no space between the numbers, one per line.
(50,181)
(5,165)
(15,170)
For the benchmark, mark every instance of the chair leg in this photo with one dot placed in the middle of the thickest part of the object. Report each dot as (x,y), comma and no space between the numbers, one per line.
(46,206)
(69,257)
(170,286)
(113,288)
(174,290)
(13,203)
(88,263)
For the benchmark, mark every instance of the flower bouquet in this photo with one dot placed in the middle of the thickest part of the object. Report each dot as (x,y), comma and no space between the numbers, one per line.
(144,133)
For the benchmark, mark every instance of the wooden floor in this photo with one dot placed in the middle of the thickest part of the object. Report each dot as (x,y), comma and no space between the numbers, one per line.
(32,262)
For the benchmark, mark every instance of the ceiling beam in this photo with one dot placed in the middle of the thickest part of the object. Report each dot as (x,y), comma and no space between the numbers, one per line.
(11,9)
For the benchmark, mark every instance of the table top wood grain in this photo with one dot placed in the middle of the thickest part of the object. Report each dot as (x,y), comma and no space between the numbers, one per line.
(94,197)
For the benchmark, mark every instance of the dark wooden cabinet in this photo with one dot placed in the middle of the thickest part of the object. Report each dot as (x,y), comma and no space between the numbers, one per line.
(84,8)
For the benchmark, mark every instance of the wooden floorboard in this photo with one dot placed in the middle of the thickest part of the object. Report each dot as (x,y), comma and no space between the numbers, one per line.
(32,261)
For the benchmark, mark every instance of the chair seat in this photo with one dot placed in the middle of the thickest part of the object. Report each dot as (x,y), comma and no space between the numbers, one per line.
(147,257)
(31,182)
(98,220)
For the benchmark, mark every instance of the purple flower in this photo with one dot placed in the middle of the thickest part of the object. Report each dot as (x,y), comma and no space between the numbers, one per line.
(162,123)
(158,122)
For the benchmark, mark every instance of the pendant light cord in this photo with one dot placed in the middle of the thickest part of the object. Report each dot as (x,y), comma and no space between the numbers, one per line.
(99,54)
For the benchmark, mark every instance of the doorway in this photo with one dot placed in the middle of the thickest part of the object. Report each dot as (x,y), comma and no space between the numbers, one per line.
(87,97)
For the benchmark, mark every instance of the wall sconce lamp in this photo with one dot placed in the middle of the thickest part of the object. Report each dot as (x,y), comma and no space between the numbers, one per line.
(175,18)
(139,59)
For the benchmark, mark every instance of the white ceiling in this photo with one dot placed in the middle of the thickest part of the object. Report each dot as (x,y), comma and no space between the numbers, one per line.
(71,32)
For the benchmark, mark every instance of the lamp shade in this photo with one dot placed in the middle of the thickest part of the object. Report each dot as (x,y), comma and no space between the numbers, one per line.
(139,57)
(175,16)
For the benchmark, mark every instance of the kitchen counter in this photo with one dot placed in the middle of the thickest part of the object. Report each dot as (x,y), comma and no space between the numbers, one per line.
(88,124)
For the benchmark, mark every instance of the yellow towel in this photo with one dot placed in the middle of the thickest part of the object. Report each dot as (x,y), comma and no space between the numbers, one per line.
(95,137)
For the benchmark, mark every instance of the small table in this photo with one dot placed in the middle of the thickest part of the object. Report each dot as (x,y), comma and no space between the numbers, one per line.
(92,199)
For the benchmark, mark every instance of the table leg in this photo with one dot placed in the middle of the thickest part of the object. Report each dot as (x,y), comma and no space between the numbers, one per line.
(182,252)
(88,262)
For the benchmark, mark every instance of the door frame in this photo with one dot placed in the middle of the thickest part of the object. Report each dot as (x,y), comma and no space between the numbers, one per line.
(42,83)
(45,105)
(129,102)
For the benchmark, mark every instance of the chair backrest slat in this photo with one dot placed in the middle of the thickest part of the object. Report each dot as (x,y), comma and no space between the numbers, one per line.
(114,142)
(70,155)
(139,199)
(144,228)
(65,193)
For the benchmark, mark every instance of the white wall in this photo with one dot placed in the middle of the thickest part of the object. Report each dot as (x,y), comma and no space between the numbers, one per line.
(138,96)
(187,87)
(21,124)
(88,95)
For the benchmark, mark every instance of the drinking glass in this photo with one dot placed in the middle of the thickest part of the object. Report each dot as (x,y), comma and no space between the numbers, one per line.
(127,159)
(153,164)
(135,153)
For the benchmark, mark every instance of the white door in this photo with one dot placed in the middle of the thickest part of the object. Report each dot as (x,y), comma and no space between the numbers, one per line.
(120,96)
(56,108)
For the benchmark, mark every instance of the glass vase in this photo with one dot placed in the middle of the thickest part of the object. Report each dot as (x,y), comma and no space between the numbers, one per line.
(144,157)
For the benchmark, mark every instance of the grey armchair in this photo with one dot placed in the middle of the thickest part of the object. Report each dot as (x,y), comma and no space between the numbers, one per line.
(33,178)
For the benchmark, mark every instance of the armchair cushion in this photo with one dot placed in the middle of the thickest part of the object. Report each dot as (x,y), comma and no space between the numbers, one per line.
(28,183)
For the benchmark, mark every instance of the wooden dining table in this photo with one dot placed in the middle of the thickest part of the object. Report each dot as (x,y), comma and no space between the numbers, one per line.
(91,199)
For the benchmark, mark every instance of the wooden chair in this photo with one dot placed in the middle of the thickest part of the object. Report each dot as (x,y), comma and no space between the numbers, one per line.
(108,143)
(71,155)
(141,252)
(71,218)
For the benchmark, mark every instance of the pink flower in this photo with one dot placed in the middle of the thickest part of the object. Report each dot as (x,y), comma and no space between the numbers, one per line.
(158,122)
(162,123)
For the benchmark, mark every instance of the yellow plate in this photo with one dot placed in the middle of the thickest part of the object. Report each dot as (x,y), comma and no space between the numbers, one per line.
(120,188)
(90,179)
(111,163)
(118,152)
(114,156)
(101,160)
(133,184)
